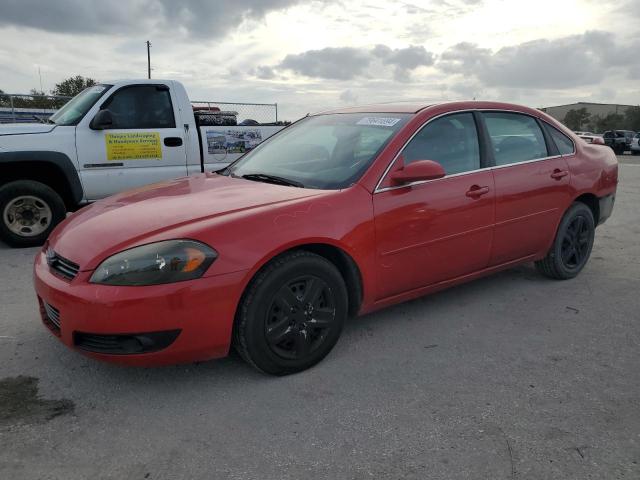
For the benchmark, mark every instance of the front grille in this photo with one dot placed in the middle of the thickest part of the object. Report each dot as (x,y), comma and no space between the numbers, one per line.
(51,316)
(60,265)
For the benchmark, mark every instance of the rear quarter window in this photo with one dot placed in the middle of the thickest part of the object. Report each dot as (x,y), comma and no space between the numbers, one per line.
(564,143)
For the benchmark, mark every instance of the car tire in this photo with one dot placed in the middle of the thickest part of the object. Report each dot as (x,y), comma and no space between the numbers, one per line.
(572,246)
(29,210)
(291,314)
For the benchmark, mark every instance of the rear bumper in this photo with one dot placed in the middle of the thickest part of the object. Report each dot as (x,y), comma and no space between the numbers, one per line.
(606,207)
(187,321)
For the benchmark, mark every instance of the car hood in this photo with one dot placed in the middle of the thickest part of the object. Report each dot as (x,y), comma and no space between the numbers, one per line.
(153,212)
(25,128)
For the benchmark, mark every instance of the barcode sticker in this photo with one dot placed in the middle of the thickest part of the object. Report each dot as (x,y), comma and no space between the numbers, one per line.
(378,121)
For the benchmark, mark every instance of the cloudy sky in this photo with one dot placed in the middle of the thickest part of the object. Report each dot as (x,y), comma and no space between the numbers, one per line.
(309,55)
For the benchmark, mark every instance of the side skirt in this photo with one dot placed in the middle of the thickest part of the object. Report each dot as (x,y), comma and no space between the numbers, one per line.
(435,287)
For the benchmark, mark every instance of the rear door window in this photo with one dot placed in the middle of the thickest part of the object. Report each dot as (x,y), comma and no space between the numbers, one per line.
(515,137)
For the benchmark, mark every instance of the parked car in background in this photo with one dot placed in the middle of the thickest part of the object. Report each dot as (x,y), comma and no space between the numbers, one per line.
(619,140)
(635,144)
(109,138)
(340,214)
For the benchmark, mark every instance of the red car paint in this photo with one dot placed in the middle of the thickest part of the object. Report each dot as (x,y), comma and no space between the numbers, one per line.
(405,241)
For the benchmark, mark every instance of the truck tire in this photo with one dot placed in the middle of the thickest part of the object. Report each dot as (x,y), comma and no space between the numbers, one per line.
(29,210)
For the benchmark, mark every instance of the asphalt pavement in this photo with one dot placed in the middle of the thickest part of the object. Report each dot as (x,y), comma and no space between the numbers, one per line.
(511,376)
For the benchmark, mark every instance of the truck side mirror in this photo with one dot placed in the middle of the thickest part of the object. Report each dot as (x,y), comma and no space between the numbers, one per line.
(102,121)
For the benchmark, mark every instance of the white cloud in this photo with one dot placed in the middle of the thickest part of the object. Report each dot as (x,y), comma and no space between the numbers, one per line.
(309,55)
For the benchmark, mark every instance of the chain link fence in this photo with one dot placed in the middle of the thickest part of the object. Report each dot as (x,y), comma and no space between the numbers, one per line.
(29,108)
(239,113)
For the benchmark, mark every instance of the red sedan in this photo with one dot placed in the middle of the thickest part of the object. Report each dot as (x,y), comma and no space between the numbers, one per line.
(340,214)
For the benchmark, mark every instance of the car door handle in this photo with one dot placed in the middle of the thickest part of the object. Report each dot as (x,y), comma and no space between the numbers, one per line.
(558,174)
(173,141)
(476,191)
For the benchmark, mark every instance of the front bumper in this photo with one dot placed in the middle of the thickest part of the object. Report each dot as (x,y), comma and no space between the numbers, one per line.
(202,311)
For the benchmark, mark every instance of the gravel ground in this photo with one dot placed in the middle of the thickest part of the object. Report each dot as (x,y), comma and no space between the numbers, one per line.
(512,376)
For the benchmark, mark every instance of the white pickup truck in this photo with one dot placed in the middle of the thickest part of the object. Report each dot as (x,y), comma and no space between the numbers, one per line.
(111,137)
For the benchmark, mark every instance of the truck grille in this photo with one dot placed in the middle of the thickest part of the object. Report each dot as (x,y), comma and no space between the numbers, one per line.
(51,316)
(61,266)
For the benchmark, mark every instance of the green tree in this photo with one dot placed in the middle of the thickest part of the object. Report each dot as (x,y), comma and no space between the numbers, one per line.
(632,118)
(613,121)
(73,86)
(576,118)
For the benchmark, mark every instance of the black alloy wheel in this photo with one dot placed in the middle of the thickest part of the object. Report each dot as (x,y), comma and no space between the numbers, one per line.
(572,245)
(300,317)
(576,242)
(291,314)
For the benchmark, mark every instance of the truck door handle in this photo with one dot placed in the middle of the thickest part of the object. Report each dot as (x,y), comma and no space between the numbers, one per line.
(476,191)
(558,174)
(173,141)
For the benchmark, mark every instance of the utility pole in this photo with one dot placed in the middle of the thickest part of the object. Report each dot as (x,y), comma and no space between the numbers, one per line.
(40,75)
(148,59)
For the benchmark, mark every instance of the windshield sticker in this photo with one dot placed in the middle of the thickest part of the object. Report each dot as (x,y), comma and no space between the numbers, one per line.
(378,121)
(133,146)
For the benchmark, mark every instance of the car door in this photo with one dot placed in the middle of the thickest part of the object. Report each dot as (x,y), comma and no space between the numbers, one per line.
(145,143)
(532,185)
(435,230)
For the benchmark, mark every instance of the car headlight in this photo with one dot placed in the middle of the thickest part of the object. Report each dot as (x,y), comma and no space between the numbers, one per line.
(156,263)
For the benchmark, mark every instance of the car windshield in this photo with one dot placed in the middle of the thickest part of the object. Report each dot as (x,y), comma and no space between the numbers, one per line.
(76,108)
(323,151)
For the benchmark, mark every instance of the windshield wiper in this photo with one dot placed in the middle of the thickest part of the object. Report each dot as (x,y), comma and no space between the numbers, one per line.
(263,177)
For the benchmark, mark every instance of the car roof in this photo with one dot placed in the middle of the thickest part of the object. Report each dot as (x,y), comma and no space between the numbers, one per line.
(415,107)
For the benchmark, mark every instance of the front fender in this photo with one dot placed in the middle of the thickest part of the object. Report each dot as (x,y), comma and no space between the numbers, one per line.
(60,160)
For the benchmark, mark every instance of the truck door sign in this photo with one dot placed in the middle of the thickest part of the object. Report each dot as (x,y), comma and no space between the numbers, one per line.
(133,146)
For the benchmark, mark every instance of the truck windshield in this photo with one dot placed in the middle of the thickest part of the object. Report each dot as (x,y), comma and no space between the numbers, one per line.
(76,108)
(323,151)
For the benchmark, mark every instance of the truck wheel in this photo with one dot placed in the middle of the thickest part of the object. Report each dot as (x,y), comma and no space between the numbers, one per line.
(28,212)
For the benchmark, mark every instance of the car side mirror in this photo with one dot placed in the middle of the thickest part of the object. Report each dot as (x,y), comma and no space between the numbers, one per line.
(418,171)
(102,121)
